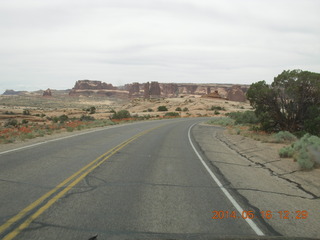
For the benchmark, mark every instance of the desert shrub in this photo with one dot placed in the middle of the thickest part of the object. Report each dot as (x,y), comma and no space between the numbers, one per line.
(286,152)
(283,136)
(162,108)
(9,113)
(24,121)
(185,109)
(70,129)
(26,112)
(11,123)
(178,109)
(172,114)
(86,118)
(217,108)
(91,110)
(63,118)
(216,112)
(121,114)
(224,121)
(150,110)
(306,151)
(247,117)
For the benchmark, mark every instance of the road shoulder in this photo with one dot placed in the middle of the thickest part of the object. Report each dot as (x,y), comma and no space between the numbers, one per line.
(268,183)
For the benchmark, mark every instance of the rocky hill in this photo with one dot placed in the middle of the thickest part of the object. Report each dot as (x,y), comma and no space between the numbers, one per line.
(146,90)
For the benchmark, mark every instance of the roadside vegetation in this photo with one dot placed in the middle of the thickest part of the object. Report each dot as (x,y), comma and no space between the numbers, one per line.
(20,130)
(287,112)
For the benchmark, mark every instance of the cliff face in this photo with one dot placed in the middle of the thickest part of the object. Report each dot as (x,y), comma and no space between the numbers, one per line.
(89,88)
(92,84)
(157,90)
(235,93)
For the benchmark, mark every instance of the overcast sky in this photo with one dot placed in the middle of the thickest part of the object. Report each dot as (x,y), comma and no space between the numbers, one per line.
(53,43)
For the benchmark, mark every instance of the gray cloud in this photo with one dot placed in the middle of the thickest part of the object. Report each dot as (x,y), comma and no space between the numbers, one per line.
(54,43)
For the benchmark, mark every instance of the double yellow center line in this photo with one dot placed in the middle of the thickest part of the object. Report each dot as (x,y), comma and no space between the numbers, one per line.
(63,187)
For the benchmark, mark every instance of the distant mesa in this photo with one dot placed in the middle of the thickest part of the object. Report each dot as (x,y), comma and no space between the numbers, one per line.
(146,90)
(10,92)
(156,90)
(99,88)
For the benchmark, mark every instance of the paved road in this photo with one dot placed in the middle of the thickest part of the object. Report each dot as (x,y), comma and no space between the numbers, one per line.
(152,185)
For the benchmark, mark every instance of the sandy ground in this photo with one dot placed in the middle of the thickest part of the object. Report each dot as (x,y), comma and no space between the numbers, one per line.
(43,108)
(266,182)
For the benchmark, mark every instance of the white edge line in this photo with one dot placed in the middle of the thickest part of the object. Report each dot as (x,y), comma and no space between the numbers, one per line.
(254,227)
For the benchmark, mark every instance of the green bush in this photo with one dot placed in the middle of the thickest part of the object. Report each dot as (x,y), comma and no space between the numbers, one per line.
(306,151)
(216,112)
(11,122)
(223,121)
(247,117)
(172,114)
(178,109)
(150,110)
(86,118)
(162,109)
(286,152)
(26,112)
(283,136)
(217,108)
(91,110)
(63,118)
(121,114)
(185,109)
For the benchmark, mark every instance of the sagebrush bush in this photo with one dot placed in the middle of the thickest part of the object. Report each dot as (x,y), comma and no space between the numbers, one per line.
(306,151)
(286,152)
(172,114)
(283,136)
(11,122)
(217,108)
(121,114)
(162,108)
(224,121)
(308,148)
(247,117)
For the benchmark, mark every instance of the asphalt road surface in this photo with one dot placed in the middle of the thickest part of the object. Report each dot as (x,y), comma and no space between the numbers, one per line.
(135,181)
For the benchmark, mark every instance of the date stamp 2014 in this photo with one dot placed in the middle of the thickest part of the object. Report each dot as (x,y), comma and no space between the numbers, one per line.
(268,214)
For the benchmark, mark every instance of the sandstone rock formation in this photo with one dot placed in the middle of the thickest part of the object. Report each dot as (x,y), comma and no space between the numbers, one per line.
(89,88)
(235,93)
(92,84)
(214,94)
(157,90)
(47,93)
(169,89)
(13,92)
(154,90)
(134,89)
(146,89)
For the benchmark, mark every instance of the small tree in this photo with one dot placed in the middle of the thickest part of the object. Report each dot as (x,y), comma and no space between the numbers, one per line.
(162,108)
(178,109)
(121,114)
(289,103)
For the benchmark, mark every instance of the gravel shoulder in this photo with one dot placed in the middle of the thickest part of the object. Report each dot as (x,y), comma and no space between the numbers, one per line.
(263,181)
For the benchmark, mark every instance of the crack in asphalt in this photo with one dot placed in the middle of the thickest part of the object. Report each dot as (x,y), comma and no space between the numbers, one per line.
(272,173)
(244,201)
